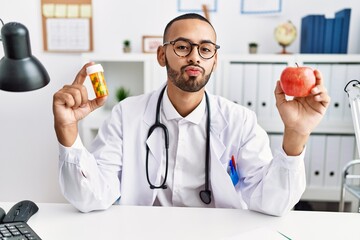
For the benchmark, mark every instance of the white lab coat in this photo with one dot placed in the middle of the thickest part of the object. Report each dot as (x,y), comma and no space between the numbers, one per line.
(115,170)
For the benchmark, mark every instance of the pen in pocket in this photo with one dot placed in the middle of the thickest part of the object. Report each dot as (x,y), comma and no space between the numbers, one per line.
(232,171)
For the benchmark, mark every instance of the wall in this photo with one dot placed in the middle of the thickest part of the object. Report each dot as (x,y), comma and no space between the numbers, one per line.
(235,31)
(28,147)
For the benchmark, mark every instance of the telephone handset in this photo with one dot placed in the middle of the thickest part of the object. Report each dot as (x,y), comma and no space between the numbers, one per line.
(13,224)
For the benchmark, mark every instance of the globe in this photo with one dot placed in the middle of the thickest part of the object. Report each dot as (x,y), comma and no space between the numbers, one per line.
(285,34)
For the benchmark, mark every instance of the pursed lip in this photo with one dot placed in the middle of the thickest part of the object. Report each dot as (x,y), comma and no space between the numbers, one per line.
(193,69)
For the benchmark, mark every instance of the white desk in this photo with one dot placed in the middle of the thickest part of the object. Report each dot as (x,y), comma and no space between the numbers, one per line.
(63,221)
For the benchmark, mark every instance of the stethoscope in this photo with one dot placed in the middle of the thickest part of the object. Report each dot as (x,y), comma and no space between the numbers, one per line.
(205,195)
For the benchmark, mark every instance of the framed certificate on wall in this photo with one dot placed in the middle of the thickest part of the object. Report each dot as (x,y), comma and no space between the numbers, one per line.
(196,5)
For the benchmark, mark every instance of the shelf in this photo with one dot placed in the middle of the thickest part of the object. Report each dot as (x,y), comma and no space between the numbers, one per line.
(291,58)
(322,194)
(128,57)
(326,194)
(256,58)
(331,194)
(325,127)
(329,58)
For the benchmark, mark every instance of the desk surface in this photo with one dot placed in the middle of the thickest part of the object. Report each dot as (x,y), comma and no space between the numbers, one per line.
(63,221)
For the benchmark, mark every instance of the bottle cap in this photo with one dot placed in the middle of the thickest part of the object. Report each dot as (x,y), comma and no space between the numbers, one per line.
(94,68)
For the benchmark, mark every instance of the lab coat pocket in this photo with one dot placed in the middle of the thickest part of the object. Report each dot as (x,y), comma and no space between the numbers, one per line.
(230,164)
(224,192)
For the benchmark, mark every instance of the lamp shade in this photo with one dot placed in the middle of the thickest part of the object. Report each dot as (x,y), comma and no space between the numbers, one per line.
(20,71)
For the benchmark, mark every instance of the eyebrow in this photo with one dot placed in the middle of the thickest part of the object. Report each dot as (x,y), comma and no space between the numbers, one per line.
(186,39)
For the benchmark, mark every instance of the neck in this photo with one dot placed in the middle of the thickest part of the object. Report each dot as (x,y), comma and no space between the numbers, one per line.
(184,102)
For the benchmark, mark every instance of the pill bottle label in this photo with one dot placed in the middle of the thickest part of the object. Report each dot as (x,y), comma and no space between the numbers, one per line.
(97,78)
(99,84)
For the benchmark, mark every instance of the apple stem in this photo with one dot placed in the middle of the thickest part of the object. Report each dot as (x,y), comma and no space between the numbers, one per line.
(297,64)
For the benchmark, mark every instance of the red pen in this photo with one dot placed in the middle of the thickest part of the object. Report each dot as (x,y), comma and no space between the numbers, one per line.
(233,161)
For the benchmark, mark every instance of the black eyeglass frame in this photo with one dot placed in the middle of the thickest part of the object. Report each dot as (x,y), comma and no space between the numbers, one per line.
(191,45)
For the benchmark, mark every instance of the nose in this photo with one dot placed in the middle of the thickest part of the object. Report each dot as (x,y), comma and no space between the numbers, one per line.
(194,55)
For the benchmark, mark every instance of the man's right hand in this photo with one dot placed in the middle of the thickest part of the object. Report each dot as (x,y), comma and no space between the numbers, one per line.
(71,104)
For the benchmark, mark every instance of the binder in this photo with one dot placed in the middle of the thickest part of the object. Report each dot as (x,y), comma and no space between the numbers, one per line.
(347,152)
(265,95)
(344,35)
(306,38)
(250,86)
(332,158)
(322,35)
(318,33)
(317,159)
(236,78)
(328,35)
(336,86)
(276,73)
(307,160)
(338,26)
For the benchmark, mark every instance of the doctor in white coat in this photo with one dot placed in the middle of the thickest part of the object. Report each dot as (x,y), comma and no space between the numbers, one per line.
(217,156)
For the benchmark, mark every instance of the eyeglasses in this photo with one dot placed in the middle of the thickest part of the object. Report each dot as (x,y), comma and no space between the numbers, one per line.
(183,48)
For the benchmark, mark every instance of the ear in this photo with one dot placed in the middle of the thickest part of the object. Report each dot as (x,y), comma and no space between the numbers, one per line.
(161,56)
(215,63)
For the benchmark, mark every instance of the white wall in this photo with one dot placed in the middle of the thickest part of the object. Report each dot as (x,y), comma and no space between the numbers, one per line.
(28,147)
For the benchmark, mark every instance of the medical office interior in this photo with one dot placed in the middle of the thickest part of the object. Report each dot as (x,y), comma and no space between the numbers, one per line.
(28,146)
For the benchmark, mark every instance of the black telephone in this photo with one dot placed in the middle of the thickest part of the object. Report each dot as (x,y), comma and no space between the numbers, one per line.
(2,214)
(13,225)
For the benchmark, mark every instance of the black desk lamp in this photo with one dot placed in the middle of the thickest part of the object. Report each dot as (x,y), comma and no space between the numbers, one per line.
(20,71)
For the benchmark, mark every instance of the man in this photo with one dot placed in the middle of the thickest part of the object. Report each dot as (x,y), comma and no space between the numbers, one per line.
(129,164)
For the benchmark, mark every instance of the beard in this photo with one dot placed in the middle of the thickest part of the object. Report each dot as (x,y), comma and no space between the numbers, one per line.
(192,84)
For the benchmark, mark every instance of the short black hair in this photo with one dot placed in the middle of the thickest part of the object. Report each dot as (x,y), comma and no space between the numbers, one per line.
(185,16)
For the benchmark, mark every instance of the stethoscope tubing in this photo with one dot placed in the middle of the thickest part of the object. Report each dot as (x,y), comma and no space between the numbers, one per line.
(158,124)
(205,195)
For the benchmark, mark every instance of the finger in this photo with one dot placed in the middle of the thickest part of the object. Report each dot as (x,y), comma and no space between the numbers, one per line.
(323,98)
(81,76)
(318,89)
(318,77)
(97,102)
(319,85)
(319,96)
(62,98)
(78,93)
(279,93)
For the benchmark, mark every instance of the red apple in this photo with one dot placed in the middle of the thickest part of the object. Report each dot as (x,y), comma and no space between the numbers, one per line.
(297,81)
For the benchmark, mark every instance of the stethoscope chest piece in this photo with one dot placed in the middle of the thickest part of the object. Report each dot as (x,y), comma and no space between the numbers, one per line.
(205,196)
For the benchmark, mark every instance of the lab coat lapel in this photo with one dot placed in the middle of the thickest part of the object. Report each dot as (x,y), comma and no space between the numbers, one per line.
(156,151)
(223,191)
(155,142)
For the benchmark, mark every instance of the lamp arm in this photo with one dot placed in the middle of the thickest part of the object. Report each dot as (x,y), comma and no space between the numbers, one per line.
(2,26)
(352,89)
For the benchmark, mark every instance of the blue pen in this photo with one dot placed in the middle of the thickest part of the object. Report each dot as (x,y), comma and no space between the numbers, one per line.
(233,174)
